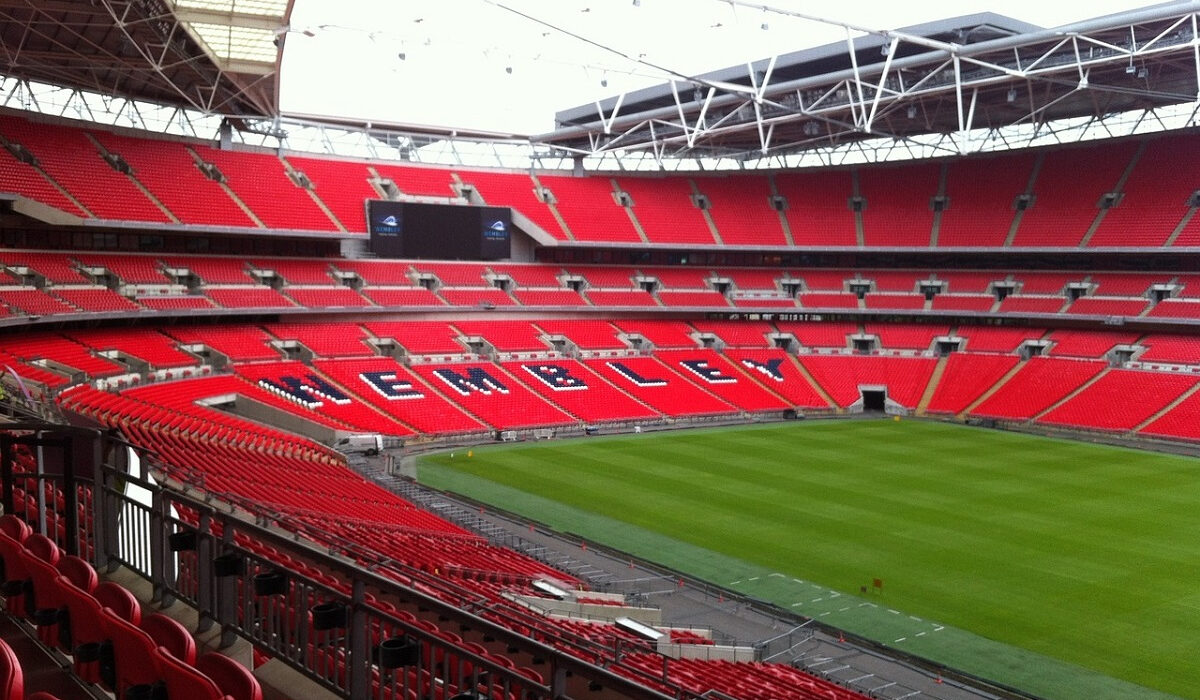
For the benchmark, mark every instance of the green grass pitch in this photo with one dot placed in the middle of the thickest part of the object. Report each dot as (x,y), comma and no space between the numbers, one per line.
(1068,569)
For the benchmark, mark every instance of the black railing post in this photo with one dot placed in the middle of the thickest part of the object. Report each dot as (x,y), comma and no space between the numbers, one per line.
(360,657)
(70,486)
(205,590)
(6,471)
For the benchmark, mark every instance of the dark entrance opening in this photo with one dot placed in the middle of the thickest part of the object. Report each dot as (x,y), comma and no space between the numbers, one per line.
(874,400)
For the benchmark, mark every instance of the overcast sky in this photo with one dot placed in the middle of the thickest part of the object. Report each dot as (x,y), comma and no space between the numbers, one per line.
(471,64)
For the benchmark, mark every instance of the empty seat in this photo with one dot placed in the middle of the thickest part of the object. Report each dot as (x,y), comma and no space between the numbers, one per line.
(234,679)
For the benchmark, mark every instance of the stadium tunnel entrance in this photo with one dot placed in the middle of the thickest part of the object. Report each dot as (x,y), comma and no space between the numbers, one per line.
(874,400)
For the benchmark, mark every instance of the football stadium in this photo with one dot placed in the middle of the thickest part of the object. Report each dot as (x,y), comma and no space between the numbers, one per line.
(864,368)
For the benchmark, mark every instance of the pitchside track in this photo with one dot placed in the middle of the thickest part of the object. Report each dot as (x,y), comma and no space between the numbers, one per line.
(1069,569)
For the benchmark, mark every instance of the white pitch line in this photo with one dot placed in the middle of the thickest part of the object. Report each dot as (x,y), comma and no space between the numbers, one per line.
(900,640)
(753,578)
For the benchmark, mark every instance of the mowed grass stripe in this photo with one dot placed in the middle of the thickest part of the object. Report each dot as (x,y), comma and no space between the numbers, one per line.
(1084,553)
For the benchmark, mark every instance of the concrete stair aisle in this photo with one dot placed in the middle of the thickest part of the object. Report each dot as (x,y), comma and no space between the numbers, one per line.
(813,383)
(994,388)
(931,387)
(1079,389)
(1165,409)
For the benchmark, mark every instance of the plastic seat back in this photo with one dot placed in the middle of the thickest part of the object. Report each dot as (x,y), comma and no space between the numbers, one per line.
(12,679)
(172,636)
(182,680)
(120,601)
(43,548)
(234,679)
(133,653)
(14,527)
(79,572)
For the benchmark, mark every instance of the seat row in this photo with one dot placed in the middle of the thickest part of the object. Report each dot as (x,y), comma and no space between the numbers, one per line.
(101,626)
(1051,198)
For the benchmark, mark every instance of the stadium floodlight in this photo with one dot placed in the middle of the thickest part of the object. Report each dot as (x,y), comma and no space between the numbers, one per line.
(1012,95)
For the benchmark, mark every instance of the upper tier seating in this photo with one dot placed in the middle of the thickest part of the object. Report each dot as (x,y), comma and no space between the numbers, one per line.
(174,302)
(980,195)
(898,211)
(169,171)
(664,208)
(1152,205)
(589,207)
(24,179)
(515,190)
(741,209)
(1068,188)
(343,185)
(74,162)
(1038,385)
(415,180)
(818,207)
(261,182)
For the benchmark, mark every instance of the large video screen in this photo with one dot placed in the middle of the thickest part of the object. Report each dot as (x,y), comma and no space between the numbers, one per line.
(438,231)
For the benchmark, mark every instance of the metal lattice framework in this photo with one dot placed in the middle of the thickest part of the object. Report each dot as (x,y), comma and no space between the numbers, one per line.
(957,79)
(212,56)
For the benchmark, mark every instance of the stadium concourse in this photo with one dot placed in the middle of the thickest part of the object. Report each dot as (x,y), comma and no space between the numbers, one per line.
(214,343)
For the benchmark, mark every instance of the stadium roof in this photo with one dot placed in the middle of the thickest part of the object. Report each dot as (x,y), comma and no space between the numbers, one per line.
(214,56)
(952,77)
